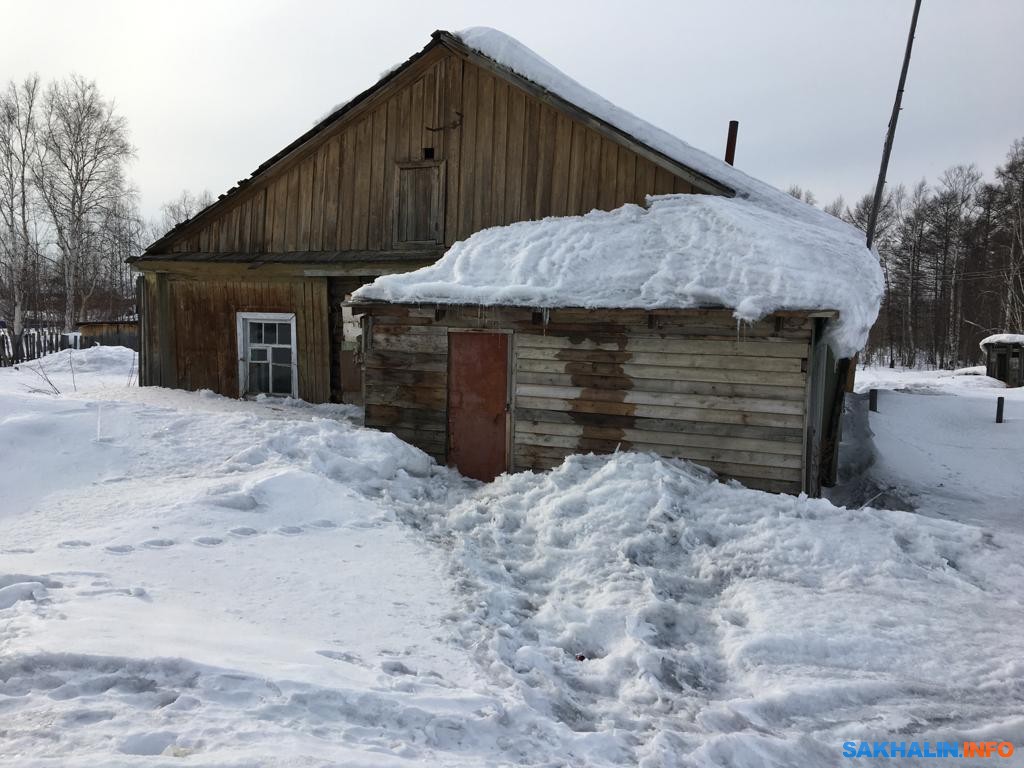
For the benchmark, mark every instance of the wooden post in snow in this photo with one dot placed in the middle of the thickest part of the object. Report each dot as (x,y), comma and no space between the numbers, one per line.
(999,409)
(873,400)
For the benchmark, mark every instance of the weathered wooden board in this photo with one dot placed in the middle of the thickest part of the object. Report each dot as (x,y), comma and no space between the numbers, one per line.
(661,372)
(622,382)
(639,397)
(662,411)
(770,347)
(727,362)
(619,421)
(415,361)
(632,434)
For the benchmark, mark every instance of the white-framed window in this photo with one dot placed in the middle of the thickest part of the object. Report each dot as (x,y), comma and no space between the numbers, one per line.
(267,360)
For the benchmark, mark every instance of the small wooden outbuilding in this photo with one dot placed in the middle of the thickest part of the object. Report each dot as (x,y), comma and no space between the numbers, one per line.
(495,389)
(1004,358)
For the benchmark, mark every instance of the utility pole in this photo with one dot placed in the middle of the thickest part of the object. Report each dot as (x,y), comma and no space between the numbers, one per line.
(887,149)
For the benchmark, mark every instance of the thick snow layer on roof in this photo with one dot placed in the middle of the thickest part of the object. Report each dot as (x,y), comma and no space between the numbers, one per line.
(682,251)
(1001,338)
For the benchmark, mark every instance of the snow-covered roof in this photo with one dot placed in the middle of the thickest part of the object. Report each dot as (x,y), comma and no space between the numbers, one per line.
(681,251)
(1001,338)
(758,252)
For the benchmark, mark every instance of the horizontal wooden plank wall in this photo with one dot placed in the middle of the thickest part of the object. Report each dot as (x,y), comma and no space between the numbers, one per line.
(506,156)
(737,407)
(690,384)
(406,377)
(203,331)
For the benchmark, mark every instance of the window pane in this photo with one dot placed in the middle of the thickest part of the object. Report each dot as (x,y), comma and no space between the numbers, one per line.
(282,379)
(270,333)
(255,332)
(282,355)
(259,377)
(258,353)
(284,333)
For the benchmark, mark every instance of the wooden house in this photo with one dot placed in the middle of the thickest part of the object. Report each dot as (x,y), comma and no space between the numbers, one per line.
(448,143)
(1004,358)
(476,132)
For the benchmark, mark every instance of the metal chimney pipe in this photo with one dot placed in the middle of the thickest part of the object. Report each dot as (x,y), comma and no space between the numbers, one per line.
(730,143)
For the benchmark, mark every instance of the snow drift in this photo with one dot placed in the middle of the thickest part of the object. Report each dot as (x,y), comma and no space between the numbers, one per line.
(671,620)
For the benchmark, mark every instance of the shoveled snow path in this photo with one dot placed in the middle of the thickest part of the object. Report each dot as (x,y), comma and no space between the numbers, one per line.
(728,627)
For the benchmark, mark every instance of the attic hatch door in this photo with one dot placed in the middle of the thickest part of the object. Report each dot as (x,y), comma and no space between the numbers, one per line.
(419,204)
(477,403)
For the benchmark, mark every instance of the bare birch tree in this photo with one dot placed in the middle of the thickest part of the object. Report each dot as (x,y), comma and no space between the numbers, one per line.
(79,170)
(19,221)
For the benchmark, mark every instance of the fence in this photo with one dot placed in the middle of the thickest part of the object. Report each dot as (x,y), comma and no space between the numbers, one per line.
(35,342)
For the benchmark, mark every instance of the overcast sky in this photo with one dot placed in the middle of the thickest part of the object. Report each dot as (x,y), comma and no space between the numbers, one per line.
(212,89)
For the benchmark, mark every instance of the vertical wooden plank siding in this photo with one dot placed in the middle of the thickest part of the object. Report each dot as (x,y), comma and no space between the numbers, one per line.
(453,117)
(194,344)
(507,157)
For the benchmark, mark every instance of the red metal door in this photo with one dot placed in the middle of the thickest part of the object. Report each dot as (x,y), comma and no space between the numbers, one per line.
(477,398)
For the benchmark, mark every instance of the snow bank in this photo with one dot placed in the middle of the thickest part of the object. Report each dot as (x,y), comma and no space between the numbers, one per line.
(96,359)
(960,381)
(1001,338)
(679,621)
(681,251)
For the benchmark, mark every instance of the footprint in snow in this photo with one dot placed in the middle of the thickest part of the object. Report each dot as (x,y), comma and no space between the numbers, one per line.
(350,658)
(289,530)
(232,497)
(158,543)
(395,668)
(324,524)
(17,551)
(207,541)
(244,531)
(74,544)
(119,549)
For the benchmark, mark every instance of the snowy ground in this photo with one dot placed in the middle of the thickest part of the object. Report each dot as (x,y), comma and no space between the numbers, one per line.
(939,449)
(191,580)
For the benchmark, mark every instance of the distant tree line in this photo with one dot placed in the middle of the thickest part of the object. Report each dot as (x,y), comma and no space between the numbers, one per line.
(953,258)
